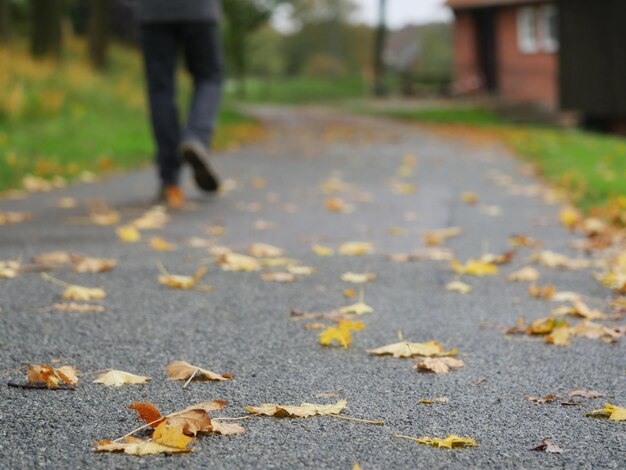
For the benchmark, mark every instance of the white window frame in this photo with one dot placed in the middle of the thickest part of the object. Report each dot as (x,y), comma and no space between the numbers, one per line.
(549,42)
(527,38)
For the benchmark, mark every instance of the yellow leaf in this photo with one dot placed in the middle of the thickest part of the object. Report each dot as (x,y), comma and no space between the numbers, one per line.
(342,333)
(237,262)
(612,412)
(140,448)
(301,270)
(82,294)
(469,197)
(447,443)
(52,376)
(570,217)
(182,282)
(263,250)
(305,410)
(323,250)
(458,286)
(526,274)
(116,378)
(560,336)
(358,278)
(171,436)
(160,244)
(407,349)
(128,234)
(355,248)
(474,268)
(9,269)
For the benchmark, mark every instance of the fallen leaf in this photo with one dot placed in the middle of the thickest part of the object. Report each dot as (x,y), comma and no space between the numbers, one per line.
(492,211)
(54,259)
(171,436)
(104,217)
(51,376)
(94,265)
(549,447)
(545,325)
(585,393)
(403,187)
(336,204)
(458,286)
(314,326)
(342,333)
(503,258)
(474,268)
(542,292)
(14,217)
(279,277)
(237,262)
(305,410)
(447,443)
(555,260)
(300,270)
(526,274)
(263,250)
(278,262)
(435,400)
(116,378)
(355,248)
(524,240)
(226,429)
(438,237)
(570,217)
(358,308)
(9,269)
(83,294)
(147,412)
(152,219)
(350,293)
(438,365)
(321,250)
(612,412)
(66,202)
(72,307)
(181,370)
(547,399)
(182,282)
(358,278)
(128,234)
(160,244)
(469,197)
(591,330)
(217,250)
(560,336)
(140,448)
(407,349)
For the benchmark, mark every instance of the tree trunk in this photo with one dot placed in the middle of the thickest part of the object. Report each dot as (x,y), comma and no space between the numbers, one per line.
(5,21)
(380,88)
(99,33)
(46,36)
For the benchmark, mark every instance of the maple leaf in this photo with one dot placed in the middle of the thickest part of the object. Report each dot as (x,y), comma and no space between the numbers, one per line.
(263,250)
(181,370)
(94,265)
(171,436)
(458,286)
(356,248)
(342,333)
(83,294)
(160,244)
(438,365)
(474,268)
(51,376)
(305,410)
(177,281)
(128,234)
(612,412)
(549,447)
(438,237)
(358,308)
(322,250)
(279,277)
(148,412)
(447,443)
(526,274)
(116,378)
(407,349)
(237,262)
(358,278)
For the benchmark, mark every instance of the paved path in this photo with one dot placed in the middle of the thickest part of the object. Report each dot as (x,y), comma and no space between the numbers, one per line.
(243,327)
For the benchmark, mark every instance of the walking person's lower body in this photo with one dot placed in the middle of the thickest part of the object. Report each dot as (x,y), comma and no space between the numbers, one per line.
(177,144)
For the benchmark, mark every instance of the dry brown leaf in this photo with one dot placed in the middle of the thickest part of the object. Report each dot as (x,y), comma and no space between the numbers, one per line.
(524,240)
(104,217)
(469,197)
(542,292)
(547,399)
(51,376)
(93,265)
(14,217)
(526,274)
(314,326)
(263,250)
(548,447)
(160,244)
(147,412)
(300,270)
(54,259)
(439,237)
(72,307)
(181,370)
(336,204)
(579,392)
(140,448)
(432,401)
(556,260)
(128,234)
(438,365)
(560,336)
(358,308)
(591,330)
(305,410)
(279,277)
(171,436)
(83,294)
(152,219)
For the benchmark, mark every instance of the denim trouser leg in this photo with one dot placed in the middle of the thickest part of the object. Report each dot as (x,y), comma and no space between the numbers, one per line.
(204,61)
(159,43)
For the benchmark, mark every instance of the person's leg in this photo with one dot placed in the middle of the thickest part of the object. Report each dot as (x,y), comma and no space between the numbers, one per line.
(204,61)
(159,42)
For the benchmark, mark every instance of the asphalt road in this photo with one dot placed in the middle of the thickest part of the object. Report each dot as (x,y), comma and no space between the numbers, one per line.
(244,328)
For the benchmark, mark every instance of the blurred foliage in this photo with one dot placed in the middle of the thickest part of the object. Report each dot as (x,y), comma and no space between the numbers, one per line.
(61,119)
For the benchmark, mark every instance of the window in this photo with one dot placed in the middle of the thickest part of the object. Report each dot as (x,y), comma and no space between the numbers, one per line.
(527,30)
(549,28)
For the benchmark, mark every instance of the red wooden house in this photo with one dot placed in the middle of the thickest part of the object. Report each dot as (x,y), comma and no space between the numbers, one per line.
(508,48)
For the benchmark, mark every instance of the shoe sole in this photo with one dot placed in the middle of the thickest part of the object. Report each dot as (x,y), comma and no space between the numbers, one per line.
(203,174)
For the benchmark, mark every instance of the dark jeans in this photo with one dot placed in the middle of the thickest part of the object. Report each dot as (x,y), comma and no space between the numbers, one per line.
(202,51)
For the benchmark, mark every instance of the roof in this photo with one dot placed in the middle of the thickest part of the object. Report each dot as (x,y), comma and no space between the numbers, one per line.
(460,4)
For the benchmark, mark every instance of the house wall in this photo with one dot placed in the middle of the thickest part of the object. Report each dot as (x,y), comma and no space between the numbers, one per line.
(524,77)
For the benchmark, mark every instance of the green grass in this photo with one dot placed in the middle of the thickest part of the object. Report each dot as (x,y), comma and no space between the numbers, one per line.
(590,166)
(65,119)
(299,90)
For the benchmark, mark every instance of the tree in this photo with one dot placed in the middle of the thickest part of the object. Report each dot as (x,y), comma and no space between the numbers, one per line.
(99,33)
(5,20)
(243,18)
(46,36)
(380,88)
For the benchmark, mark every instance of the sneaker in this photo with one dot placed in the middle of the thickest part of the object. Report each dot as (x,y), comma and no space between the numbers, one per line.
(197,156)
(172,195)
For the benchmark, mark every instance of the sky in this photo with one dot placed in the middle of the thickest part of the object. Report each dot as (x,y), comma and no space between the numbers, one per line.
(402,12)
